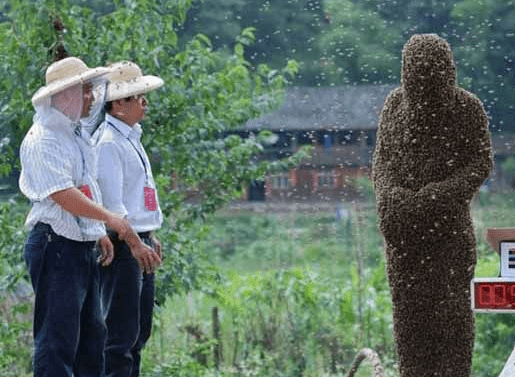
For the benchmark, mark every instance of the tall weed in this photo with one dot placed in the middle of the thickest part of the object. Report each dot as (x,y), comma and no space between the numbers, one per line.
(302,293)
(289,297)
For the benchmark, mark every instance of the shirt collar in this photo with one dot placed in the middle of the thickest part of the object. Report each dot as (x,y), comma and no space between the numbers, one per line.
(126,130)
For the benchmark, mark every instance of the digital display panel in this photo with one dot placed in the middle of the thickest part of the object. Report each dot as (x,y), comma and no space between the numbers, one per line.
(493,295)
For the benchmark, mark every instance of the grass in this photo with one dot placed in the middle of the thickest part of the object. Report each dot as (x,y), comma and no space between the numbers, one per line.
(275,263)
(301,294)
(308,258)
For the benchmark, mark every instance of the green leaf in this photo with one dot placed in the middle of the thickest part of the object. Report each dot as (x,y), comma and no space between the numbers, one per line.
(346,308)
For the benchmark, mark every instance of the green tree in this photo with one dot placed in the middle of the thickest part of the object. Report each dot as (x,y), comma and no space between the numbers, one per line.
(358,44)
(486,34)
(360,41)
(364,40)
(206,95)
(284,30)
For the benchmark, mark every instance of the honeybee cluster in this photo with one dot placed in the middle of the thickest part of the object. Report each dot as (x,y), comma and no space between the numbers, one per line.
(433,152)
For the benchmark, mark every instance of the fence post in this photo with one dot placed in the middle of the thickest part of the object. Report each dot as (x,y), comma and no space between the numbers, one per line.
(217,348)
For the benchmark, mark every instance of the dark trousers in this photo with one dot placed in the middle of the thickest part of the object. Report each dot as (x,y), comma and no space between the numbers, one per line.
(128,301)
(69,331)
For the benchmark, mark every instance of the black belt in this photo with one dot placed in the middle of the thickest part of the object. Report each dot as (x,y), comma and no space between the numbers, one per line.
(144,234)
(116,239)
(44,227)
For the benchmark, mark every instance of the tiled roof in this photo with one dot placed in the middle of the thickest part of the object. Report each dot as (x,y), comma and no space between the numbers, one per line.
(354,107)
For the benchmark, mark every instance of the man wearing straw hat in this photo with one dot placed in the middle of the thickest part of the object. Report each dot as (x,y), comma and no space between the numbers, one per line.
(66,222)
(128,189)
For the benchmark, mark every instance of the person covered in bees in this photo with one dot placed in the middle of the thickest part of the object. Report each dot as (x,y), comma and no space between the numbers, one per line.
(432,154)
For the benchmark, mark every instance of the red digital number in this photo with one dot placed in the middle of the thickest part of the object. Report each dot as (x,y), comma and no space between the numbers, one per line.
(495,295)
(484,295)
(500,298)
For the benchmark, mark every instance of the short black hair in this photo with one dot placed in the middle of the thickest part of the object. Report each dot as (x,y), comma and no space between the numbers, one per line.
(109,105)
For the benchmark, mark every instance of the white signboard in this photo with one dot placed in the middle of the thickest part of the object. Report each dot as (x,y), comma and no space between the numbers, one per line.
(508,258)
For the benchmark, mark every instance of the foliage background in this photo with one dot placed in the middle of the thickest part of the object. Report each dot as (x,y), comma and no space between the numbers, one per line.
(298,293)
(197,164)
(342,42)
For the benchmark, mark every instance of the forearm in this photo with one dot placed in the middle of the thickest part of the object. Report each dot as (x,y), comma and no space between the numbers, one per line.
(462,186)
(76,203)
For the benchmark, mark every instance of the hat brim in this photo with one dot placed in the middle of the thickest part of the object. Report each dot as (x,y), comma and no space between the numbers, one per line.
(125,89)
(60,85)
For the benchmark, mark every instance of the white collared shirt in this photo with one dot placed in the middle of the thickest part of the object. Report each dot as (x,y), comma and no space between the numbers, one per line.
(123,172)
(54,157)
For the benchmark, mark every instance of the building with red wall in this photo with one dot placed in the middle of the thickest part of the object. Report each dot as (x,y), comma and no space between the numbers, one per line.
(339,123)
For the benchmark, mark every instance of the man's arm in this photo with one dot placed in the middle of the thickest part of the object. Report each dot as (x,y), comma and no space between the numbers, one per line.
(76,203)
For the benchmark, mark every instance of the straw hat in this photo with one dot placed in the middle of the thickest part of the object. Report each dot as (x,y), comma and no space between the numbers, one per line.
(64,74)
(126,80)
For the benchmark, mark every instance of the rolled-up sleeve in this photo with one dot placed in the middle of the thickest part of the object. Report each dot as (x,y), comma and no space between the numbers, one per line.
(47,167)
(110,178)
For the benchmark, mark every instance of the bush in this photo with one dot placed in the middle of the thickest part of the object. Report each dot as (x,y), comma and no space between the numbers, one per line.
(15,292)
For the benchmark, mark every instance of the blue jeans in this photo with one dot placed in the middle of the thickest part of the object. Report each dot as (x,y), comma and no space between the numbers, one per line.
(69,331)
(128,301)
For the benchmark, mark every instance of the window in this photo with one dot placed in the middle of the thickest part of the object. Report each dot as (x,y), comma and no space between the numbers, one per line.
(326,179)
(280,181)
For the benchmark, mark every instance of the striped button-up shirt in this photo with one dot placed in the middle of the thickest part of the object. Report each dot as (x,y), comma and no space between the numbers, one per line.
(55,155)
(123,172)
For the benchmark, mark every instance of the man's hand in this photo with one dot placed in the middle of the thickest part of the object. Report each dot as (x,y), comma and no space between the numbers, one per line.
(147,259)
(120,225)
(157,246)
(107,251)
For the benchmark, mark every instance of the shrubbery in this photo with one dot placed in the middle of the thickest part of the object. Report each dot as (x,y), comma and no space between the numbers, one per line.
(290,292)
(15,292)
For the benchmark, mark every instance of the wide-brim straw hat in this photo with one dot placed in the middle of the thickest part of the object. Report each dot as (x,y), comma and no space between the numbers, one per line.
(64,74)
(126,80)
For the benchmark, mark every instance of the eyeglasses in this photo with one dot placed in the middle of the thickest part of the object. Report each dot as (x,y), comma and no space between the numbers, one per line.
(138,97)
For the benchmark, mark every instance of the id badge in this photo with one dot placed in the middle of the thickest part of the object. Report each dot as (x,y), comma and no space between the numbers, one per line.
(150,198)
(86,191)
